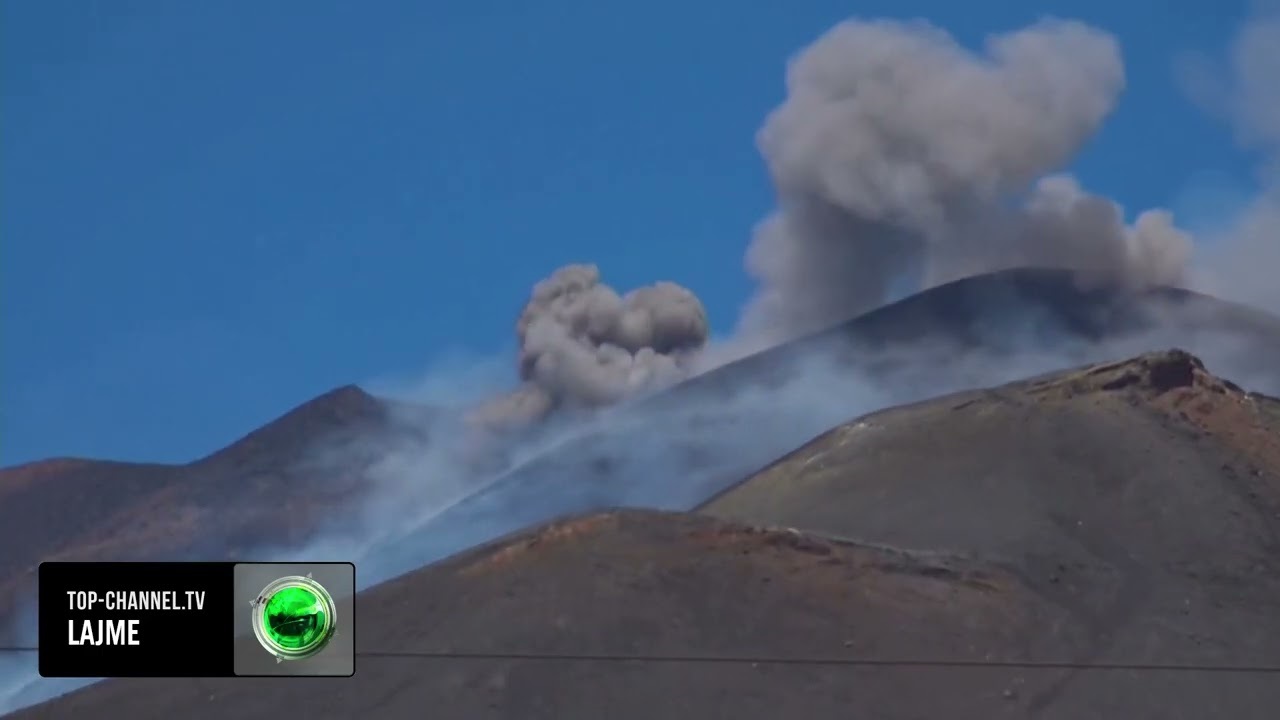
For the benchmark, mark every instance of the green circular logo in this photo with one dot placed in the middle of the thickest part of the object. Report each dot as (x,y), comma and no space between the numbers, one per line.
(294,618)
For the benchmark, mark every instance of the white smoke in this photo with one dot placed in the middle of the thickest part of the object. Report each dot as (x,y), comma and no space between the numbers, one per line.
(898,152)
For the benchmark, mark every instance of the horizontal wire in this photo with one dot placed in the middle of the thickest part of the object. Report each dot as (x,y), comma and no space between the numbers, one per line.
(811,661)
(835,661)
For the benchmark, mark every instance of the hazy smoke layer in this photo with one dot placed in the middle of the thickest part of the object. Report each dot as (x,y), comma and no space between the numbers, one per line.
(898,153)
(582,344)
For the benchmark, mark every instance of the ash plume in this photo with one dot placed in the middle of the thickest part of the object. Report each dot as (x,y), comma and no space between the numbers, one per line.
(583,345)
(897,153)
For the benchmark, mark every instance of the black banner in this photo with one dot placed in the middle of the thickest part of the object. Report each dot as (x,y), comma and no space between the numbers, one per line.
(136,619)
(192,619)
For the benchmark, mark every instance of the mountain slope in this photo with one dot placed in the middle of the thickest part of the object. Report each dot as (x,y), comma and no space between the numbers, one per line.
(220,506)
(1126,513)
(671,451)
(710,430)
(1030,310)
(675,449)
(1023,466)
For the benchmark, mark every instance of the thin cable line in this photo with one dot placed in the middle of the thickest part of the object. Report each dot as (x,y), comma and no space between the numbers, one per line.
(812,661)
(834,661)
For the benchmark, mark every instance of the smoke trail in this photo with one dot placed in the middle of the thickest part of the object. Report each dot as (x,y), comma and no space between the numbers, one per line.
(899,152)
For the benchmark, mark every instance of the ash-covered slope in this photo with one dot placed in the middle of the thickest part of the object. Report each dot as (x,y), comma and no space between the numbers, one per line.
(675,449)
(1029,316)
(1123,514)
(1142,450)
(1143,495)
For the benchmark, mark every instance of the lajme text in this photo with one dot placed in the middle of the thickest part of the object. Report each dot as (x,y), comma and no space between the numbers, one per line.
(103,632)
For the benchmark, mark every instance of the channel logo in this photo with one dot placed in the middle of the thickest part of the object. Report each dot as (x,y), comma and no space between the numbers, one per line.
(294,617)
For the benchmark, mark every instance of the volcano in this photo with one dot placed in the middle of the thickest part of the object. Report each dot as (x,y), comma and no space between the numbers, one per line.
(1099,542)
(691,447)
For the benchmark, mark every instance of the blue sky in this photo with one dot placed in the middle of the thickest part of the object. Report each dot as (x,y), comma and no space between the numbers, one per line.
(211,212)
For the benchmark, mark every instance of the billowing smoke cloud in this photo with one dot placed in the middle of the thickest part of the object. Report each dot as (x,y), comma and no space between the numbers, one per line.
(582,345)
(900,159)
(898,153)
